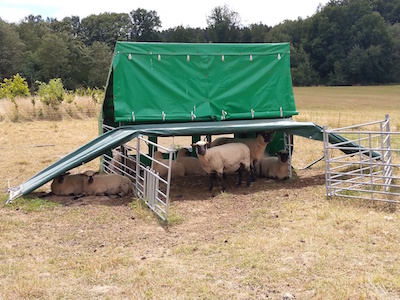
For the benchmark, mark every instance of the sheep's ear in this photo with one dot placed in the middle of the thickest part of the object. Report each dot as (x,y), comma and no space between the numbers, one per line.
(61,178)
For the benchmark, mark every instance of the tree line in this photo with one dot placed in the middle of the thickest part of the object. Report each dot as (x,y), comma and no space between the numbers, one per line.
(346,42)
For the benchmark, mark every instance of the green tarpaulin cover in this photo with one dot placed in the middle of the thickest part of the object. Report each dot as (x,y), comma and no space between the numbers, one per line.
(171,82)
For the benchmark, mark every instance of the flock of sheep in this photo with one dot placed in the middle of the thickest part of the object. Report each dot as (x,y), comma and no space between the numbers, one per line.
(222,156)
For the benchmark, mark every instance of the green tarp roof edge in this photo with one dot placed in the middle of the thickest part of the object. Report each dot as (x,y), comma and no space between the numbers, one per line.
(120,135)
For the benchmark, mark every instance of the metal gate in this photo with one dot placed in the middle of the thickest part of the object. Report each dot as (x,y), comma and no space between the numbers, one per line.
(150,186)
(361,173)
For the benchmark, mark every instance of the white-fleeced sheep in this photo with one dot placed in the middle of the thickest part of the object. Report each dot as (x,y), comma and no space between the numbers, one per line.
(67,184)
(116,164)
(274,167)
(177,169)
(192,164)
(223,159)
(257,145)
(106,184)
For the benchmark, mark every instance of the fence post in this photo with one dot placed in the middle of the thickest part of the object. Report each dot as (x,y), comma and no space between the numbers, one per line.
(326,155)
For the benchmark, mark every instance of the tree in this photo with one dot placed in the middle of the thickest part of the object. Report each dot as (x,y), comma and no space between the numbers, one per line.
(53,56)
(70,25)
(145,25)
(11,50)
(106,27)
(76,72)
(259,32)
(100,58)
(181,34)
(31,31)
(394,31)
(345,39)
(223,25)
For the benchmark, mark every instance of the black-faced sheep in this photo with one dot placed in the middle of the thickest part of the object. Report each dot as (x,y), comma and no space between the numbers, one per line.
(223,159)
(257,145)
(274,167)
(177,169)
(67,184)
(107,184)
(192,164)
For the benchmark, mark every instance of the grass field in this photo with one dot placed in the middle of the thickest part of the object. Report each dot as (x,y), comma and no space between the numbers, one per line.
(270,241)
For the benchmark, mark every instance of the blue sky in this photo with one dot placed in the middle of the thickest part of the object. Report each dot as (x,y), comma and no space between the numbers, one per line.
(172,13)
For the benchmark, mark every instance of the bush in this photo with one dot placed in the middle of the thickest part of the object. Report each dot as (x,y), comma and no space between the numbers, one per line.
(96,93)
(16,87)
(52,93)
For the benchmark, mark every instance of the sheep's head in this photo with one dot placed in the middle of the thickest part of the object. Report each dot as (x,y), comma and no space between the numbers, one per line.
(267,135)
(90,175)
(61,177)
(201,147)
(283,155)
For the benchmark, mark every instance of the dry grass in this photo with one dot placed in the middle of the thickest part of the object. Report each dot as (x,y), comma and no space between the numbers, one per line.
(31,109)
(263,242)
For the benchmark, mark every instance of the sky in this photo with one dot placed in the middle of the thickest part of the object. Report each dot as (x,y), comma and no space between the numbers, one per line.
(172,13)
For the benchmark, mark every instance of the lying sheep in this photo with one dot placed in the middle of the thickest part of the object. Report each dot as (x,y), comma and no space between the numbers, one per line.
(274,167)
(191,164)
(116,164)
(257,145)
(107,184)
(177,168)
(67,184)
(223,159)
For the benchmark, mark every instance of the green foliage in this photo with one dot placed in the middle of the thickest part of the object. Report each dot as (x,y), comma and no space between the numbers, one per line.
(12,88)
(345,42)
(51,94)
(31,204)
(223,25)
(145,25)
(96,94)
(11,50)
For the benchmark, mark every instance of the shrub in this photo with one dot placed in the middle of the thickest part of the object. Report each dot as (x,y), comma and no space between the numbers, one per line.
(16,87)
(52,93)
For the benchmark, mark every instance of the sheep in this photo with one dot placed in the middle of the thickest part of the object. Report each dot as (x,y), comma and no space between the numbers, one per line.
(227,158)
(107,184)
(67,184)
(116,164)
(177,168)
(274,167)
(192,164)
(257,145)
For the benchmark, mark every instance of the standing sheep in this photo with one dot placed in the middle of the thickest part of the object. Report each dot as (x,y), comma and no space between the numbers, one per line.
(177,169)
(192,164)
(227,158)
(257,145)
(274,167)
(67,184)
(107,184)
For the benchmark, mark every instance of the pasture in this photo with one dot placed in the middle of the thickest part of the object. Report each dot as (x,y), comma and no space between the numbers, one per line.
(274,240)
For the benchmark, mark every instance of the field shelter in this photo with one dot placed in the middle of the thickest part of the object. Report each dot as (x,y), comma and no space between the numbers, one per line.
(178,89)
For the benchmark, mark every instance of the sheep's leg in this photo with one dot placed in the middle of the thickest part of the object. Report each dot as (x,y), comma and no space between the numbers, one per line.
(253,171)
(248,177)
(221,177)
(211,184)
(240,171)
